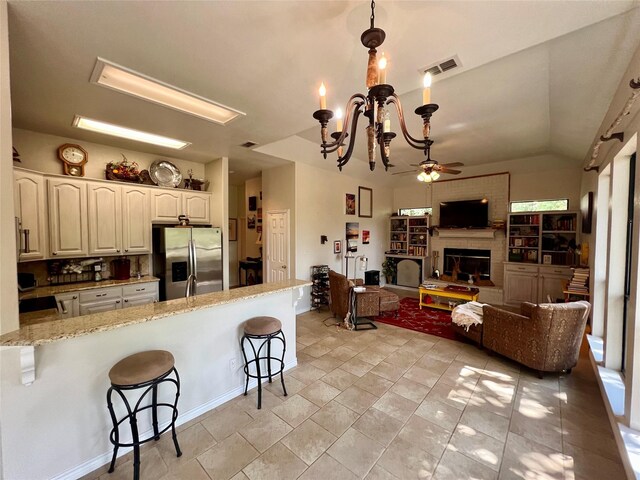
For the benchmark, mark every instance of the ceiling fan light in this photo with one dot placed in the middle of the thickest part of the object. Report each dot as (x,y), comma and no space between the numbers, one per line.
(435,175)
(422,176)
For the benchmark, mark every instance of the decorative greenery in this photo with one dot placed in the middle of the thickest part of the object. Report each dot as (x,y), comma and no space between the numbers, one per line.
(389,268)
(124,170)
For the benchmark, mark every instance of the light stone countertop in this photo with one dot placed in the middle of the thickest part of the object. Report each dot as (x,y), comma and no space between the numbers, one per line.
(74,287)
(56,330)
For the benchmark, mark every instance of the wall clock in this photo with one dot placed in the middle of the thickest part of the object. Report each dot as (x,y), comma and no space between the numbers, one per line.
(73,158)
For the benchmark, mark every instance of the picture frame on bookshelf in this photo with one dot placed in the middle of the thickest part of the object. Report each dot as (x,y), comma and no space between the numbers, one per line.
(546,259)
(517,242)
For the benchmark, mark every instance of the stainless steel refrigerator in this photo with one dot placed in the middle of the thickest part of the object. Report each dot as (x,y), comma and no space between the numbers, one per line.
(188,261)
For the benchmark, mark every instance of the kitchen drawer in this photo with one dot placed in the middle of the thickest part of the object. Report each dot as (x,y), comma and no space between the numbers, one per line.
(100,294)
(140,289)
(139,300)
(515,267)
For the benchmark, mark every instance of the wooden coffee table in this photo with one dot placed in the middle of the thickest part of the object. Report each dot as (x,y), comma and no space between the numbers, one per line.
(456,294)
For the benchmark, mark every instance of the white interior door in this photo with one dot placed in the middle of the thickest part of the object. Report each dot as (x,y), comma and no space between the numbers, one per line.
(276,242)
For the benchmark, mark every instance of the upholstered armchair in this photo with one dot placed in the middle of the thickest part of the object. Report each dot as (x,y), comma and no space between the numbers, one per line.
(339,286)
(543,337)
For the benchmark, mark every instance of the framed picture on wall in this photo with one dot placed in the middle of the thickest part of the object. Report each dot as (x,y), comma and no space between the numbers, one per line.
(350,204)
(337,246)
(365,202)
(251,221)
(365,237)
(233,229)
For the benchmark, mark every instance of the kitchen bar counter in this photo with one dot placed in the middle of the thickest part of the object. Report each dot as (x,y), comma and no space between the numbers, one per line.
(56,330)
(74,287)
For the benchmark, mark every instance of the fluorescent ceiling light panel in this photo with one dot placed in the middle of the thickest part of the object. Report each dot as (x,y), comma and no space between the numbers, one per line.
(124,132)
(128,81)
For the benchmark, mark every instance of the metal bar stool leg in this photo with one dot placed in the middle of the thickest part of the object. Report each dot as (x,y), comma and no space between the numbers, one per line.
(269,357)
(154,412)
(246,364)
(175,416)
(115,432)
(284,350)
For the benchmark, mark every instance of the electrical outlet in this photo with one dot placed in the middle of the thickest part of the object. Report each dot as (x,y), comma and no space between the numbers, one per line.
(233,364)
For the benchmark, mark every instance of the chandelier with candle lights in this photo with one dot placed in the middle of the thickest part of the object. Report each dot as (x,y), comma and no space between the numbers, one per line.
(375,105)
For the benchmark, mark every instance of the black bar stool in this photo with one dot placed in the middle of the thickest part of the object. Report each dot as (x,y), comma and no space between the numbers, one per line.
(142,370)
(264,329)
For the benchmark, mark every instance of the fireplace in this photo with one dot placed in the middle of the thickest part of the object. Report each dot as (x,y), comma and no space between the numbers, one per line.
(472,261)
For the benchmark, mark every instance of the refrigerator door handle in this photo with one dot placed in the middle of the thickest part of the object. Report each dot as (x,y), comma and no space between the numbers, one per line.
(194,263)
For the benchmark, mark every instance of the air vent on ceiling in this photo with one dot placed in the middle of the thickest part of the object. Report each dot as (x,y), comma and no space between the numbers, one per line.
(248,144)
(442,66)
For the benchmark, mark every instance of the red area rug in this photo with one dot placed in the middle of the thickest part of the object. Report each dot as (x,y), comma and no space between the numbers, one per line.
(427,320)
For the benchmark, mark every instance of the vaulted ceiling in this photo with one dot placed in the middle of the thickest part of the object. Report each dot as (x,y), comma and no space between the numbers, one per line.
(536,76)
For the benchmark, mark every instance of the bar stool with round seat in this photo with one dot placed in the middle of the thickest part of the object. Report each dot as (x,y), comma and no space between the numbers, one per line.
(144,370)
(264,330)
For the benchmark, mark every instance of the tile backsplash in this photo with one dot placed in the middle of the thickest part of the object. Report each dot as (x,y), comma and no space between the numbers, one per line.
(41,269)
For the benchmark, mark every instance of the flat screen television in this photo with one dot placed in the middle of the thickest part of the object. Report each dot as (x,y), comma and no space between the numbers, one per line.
(465,214)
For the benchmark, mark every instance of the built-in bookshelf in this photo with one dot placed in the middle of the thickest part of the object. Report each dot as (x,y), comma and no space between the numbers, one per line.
(547,238)
(409,236)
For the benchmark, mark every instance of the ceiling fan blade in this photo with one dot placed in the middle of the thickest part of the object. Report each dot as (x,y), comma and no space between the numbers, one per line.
(404,173)
(454,164)
(448,170)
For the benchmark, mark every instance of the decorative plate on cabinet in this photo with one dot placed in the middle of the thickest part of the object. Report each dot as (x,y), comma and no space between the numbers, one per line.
(165,173)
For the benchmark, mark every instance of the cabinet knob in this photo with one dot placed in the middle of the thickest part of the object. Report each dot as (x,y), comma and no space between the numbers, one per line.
(126,249)
(118,250)
(75,297)
(117,301)
(55,253)
(126,301)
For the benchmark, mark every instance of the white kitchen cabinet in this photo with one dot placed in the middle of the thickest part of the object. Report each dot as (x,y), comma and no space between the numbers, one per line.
(100,300)
(105,218)
(139,300)
(139,294)
(30,212)
(68,229)
(166,206)
(197,206)
(136,221)
(68,304)
(550,283)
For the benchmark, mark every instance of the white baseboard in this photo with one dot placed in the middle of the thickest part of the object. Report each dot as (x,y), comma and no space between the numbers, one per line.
(184,417)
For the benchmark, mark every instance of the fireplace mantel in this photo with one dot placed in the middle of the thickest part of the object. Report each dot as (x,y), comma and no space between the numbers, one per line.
(466,233)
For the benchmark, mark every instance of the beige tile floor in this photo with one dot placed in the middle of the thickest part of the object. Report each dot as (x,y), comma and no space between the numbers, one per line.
(396,404)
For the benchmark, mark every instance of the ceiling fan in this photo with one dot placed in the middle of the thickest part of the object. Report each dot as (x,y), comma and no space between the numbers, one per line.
(430,170)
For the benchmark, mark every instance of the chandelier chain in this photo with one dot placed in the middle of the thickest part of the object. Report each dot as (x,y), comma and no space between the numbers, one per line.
(373,15)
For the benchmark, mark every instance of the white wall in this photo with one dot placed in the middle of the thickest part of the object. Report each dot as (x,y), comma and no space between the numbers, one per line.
(39,151)
(279,193)
(217,172)
(320,210)
(548,184)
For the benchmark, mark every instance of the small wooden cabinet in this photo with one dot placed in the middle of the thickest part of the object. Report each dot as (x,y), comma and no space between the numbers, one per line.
(30,211)
(68,229)
(533,283)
